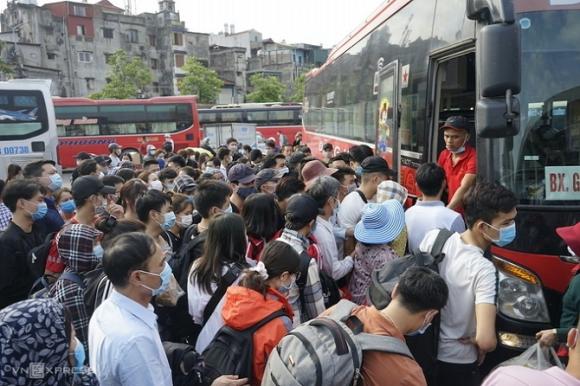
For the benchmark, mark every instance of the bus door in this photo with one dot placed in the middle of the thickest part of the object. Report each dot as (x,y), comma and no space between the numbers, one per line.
(387,139)
(453,93)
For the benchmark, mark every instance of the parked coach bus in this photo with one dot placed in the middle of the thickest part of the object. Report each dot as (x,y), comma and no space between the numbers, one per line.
(91,125)
(270,119)
(27,124)
(513,69)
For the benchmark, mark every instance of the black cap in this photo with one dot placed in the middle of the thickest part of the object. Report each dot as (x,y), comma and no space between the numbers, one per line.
(375,164)
(85,186)
(83,156)
(456,122)
(103,160)
(301,209)
(266,175)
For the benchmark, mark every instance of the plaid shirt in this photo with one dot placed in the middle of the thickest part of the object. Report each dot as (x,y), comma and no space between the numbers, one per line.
(75,246)
(312,292)
(5,217)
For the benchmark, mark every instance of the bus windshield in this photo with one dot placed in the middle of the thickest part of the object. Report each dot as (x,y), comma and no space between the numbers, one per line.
(22,114)
(542,163)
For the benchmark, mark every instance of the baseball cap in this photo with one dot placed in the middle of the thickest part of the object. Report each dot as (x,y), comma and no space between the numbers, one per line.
(266,175)
(184,184)
(114,145)
(85,186)
(83,155)
(456,122)
(301,209)
(241,173)
(571,235)
(103,160)
(313,169)
(375,164)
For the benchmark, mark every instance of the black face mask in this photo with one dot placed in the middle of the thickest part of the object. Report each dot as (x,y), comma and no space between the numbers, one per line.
(245,192)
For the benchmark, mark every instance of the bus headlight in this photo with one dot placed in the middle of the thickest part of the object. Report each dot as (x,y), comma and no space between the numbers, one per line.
(520,293)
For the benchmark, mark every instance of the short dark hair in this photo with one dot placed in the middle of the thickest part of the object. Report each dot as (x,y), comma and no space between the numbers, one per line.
(192,172)
(33,169)
(152,200)
(87,167)
(422,289)
(289,186)
(210,193)
(304,149)
(485,200)
(127,253)
(167,174)
(230,140)
(125,173)
(177,159)
(150,161)
(112,180)
(261,215)
(269,162)
(255,154)
(247,148)
(344,156)
(122,226)
(222,153)
(328,147)
(429,178)
(360,152)
(342,172)
(270,143)
(17,189)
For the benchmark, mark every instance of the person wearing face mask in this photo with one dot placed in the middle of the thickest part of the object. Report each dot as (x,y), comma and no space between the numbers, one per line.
(27,205)
(51,345)
(167,177)
(467,330)
(266,181)
(152,180)
(325,191)
(260,292)
(458,159)
(414,302)
(80,249)
(45,173)
(89,195)
(182,206)
(154,210)
(571,299)
(241,178)
(66,204)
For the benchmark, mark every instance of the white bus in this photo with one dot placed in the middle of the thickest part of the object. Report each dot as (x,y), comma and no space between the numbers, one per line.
(27,123)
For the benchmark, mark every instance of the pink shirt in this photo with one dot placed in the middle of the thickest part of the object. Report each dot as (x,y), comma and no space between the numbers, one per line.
(523,376)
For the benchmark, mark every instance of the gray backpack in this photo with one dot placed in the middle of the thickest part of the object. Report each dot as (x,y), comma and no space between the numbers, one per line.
(326,351)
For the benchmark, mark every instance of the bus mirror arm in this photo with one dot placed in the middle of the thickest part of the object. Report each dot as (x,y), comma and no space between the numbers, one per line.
(491,11)
(509,115)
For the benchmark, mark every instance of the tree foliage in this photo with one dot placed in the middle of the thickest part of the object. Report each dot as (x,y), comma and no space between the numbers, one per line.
(298,89)
(201,81)
(128,78)
(265,89)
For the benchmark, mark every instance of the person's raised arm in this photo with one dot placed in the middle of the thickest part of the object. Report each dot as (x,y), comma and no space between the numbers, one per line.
(467,182)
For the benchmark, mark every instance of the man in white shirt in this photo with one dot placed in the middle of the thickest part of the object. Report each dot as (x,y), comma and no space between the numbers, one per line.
(374,171)
(114,154)
(430,213)
(468,319)
(325,191)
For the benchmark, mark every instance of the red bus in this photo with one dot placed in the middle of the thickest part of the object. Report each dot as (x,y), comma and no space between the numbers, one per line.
(510,67)
(271,119)
(91,125)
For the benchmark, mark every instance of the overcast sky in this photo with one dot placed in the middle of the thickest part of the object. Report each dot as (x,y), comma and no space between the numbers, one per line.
(296,21)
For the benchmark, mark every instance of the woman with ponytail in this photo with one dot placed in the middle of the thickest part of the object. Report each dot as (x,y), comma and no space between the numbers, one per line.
(262,291)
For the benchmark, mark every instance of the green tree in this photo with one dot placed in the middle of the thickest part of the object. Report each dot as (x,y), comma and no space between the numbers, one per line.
(128,77)
(200,81)
(298,89)
(266,89)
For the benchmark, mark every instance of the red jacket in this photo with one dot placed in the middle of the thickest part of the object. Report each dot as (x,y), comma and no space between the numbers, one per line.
(244,308)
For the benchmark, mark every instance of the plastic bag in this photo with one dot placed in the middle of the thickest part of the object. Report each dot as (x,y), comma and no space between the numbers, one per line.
(170,297)
(535,357)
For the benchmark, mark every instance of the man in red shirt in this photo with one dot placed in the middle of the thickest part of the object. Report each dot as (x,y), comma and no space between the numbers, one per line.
(458,160)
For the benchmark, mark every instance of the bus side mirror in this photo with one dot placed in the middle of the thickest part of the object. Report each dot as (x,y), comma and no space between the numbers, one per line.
(498,117)
(498,60)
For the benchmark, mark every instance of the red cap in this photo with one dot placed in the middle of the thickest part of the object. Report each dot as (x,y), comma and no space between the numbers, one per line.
(571,235)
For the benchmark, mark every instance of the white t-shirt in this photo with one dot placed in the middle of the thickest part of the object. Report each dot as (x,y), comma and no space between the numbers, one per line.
(350,211)
(472,280)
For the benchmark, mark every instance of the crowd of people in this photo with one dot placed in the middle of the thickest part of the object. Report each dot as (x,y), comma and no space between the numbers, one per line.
(142,263)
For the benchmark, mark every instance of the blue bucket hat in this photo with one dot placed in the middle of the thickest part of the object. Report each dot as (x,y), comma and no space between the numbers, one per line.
(380,223)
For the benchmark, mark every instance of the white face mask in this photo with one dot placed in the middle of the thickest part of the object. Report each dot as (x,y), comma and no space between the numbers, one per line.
(185,220)
(156,185)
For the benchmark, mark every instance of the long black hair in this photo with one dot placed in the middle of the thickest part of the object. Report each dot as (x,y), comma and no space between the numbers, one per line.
(225,243)
(261,215)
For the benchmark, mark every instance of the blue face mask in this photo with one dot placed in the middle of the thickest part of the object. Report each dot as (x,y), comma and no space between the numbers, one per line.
(506,235)
(68,206)
(229,209)
(245,192)
(285,289)
(55,182)
(165,276)
(98,251)
(169,221)
(41,210)
(358,171)
(79,355)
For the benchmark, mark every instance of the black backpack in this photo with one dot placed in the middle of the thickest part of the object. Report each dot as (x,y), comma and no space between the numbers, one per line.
(187,368)
(425,346)
(38,255)
(97,289)
(232,351)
